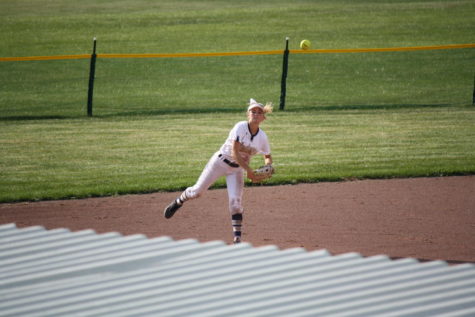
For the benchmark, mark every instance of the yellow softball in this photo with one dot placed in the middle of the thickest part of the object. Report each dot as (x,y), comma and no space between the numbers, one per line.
(305,44)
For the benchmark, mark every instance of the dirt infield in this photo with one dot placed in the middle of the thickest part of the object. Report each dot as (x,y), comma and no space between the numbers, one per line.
(424,218)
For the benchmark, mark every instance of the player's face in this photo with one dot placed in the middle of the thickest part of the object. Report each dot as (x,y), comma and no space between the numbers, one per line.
(256,115)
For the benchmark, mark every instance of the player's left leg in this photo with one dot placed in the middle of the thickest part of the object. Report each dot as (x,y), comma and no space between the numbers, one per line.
(214,169)
(235,186)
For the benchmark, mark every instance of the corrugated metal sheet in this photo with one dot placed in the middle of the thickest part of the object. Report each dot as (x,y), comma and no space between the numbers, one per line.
(63,273)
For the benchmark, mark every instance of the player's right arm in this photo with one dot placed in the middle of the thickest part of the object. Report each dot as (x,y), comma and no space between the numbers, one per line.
(241,161)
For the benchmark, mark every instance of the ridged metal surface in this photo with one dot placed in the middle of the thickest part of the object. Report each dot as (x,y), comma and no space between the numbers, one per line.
(63,273)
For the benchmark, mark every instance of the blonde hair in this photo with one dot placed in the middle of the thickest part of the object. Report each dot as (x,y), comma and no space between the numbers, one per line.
(268,108)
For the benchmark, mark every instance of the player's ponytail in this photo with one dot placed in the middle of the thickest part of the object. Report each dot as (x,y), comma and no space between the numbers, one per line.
(268,108)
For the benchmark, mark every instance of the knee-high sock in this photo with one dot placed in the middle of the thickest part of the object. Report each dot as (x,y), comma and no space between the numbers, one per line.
(183,197)
(237,224)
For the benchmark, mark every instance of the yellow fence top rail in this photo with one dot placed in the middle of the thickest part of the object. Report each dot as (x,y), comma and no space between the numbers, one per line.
(43,58)
(387,49)
(275,52)
(189,54)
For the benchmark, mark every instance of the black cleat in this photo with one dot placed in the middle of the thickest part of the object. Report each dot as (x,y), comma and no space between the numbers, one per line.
(171,209)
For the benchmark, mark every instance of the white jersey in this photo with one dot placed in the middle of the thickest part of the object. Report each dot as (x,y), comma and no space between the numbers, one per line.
(250,144)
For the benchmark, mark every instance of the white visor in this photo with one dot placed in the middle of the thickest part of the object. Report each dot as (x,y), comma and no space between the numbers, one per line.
(254,104)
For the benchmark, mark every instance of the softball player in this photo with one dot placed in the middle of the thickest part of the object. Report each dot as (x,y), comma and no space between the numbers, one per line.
(245,140)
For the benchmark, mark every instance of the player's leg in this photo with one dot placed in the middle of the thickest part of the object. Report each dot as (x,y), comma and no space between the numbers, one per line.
(235,186)
(212,171)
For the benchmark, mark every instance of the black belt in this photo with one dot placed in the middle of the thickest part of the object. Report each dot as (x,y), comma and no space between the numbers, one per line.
(225,160)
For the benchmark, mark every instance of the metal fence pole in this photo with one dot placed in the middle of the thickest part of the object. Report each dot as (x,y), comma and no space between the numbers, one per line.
(473,97)
(92,71)
(283,85)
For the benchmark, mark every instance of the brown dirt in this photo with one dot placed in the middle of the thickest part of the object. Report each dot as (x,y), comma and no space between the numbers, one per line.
(424,218)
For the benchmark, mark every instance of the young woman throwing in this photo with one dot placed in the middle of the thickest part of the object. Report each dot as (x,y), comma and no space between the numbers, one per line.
(245,140)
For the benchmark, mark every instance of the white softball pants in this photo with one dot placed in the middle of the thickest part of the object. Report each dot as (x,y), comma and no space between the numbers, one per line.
(214,169)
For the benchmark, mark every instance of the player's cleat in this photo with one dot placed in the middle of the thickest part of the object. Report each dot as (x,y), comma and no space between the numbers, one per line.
(237,240)
(171,209)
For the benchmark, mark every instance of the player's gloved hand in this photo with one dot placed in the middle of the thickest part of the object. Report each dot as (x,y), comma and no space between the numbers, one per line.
(262,173)
(250,175)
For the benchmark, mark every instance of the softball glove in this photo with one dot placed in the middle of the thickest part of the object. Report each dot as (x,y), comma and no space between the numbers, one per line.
(263,173)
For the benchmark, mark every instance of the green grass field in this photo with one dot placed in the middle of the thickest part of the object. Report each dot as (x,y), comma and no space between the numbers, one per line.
(157,121)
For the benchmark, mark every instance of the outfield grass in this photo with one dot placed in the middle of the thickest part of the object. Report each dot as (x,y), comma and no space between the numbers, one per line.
(157,121)
(50,159)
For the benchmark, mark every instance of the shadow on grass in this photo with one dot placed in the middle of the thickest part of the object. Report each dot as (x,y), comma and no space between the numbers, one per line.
(161,112)
(33,117)
(138,113)
(366,107)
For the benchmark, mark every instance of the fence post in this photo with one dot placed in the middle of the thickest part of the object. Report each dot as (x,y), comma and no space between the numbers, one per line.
(283,84)
(473,97)
(92,71)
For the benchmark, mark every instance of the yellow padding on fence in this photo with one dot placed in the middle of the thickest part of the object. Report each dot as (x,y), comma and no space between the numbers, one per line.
(189,54)
(44,58)
(276,52)
(388,49)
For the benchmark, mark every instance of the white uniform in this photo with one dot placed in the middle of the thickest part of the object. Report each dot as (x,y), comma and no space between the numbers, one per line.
(223,164)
